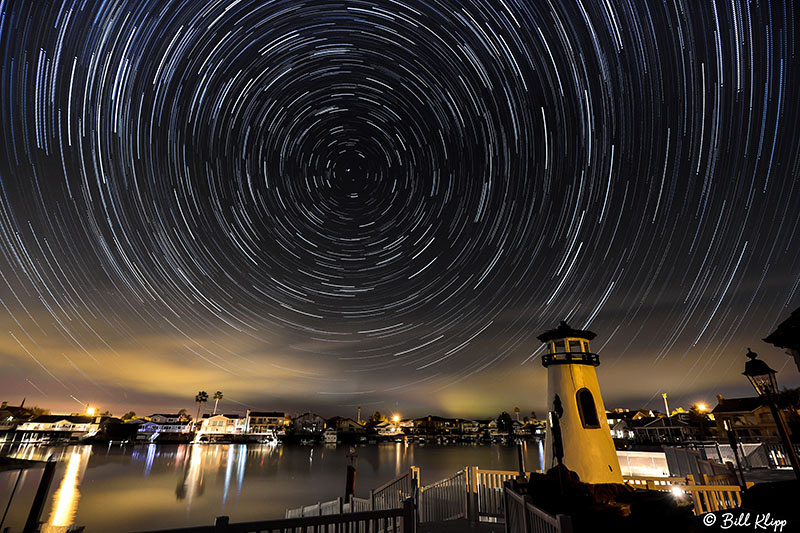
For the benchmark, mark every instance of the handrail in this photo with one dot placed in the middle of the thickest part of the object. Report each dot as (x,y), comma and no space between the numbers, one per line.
(443,481)
(391,494)
(706,498)
(501,472)
(389,483)
(445,499)
(546,517)
(651,482)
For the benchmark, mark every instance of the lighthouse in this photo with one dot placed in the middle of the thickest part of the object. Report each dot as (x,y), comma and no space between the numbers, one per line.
(576,408)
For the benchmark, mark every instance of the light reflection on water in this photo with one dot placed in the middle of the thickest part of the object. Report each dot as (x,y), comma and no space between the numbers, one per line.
(113,488)
(65,499)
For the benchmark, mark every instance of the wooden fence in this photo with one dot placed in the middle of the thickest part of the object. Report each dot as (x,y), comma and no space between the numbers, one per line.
(707,498)
(654,482)
(715,493)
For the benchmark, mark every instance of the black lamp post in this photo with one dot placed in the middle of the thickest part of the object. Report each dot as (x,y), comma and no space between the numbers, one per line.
(762,377)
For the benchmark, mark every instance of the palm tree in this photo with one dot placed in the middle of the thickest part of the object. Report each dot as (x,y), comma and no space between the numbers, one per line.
(201,398)
(217,398)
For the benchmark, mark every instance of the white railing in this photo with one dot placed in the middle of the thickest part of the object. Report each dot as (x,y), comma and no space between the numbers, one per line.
(707,498)
(469,493)
(715,494)
(390,495)
(319,509)
(656,482)
(444,500)
(486,487)
(521,516)
(358,505)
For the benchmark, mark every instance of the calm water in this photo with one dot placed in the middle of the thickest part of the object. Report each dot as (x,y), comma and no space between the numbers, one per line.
(131,488)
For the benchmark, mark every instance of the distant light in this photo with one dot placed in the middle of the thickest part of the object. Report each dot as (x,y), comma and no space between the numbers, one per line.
(702,407)
(396,418)
(676,491)
(90,411)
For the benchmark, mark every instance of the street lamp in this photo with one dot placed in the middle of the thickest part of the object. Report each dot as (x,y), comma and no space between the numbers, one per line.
(762,377)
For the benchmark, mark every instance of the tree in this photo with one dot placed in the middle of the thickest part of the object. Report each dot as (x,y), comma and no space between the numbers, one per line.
(788,398)
(217,398)
(130,415)
(504,423)
(788,401)
(36,411)
(201,398)
(377,417)
(183,413)
(700,420)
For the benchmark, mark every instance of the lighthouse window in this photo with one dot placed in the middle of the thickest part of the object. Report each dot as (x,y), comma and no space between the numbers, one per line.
(587,409)
(559,347)
(575,346)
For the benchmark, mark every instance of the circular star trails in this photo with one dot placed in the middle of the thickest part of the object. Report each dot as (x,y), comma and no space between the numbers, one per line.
(365,199)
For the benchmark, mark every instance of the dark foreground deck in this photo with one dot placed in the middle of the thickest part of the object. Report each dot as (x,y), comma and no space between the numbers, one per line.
(460,526)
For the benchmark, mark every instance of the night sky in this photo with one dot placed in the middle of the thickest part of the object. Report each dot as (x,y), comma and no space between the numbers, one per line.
(324,204)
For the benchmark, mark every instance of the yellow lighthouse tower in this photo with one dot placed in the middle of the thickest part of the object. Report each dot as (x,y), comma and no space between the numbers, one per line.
(576,408)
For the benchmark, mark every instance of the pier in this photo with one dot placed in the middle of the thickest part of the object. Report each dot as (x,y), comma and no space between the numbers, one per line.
(474,500)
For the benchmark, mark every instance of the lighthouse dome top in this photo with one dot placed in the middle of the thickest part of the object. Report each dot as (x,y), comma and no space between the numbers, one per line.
(563,331)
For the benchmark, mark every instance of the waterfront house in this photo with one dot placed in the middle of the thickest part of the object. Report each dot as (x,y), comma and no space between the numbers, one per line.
(161,418)
(432,425)
(176,426)
(7,420)
(492,429)
(388,429)
(663,429)
(624,422)
(221,424)
(10,417)
(61,427)
(520,430)
(266,422)
(346,426)
(751,418)
(469,429)
(622,430)
(309,423)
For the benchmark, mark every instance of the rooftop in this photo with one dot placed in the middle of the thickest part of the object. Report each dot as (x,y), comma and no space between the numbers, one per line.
(737,405)
(563,331)
(787,334)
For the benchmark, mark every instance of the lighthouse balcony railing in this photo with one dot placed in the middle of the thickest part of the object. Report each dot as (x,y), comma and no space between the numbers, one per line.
(576,358)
